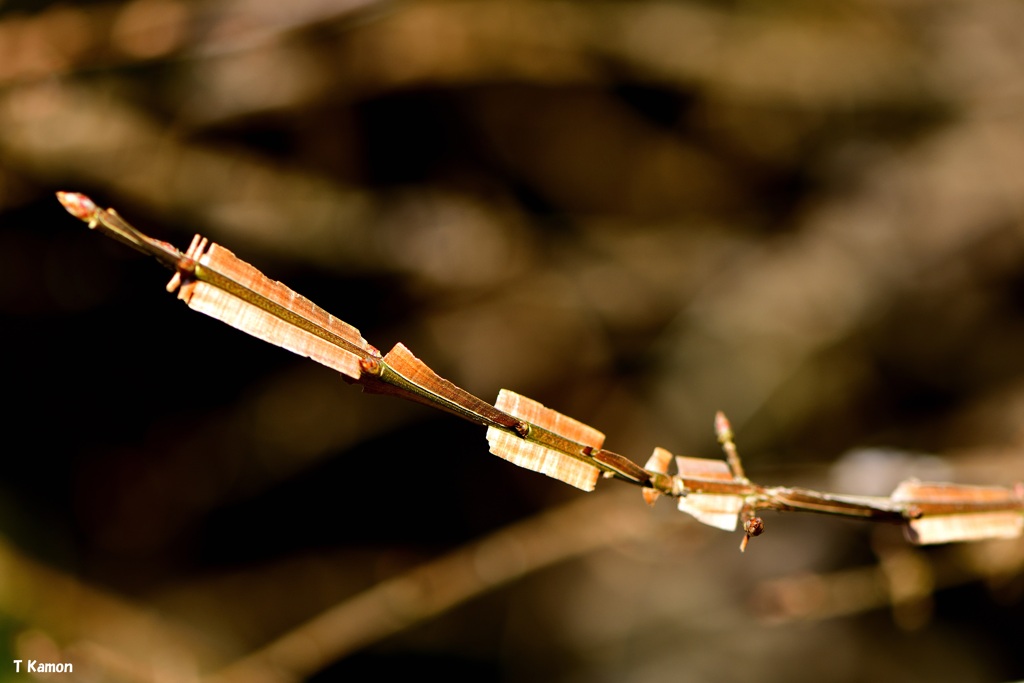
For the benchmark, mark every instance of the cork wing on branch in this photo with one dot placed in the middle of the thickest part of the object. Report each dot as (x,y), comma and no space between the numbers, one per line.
(212,280)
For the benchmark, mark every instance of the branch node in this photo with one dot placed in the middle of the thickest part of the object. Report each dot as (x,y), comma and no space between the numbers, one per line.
(752,526)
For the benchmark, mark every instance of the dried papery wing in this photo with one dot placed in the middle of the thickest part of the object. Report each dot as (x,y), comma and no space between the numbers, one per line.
(538,414)
(719,510)
(218,303)
(536,457)
(914,491)
(658,462)
(703,468)
(541,459)
(965,526)
(942,522)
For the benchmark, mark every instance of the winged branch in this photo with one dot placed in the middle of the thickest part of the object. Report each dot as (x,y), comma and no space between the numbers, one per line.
(212,280)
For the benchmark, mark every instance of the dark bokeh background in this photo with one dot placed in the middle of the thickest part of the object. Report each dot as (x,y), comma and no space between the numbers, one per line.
(805,214)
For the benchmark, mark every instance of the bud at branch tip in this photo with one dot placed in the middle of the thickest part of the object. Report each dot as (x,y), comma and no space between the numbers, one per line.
(723,430)
(78,205)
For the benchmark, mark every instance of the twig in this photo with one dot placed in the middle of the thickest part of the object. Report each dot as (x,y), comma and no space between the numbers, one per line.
(114,638)
(904,579)
(214,281)
(433,588)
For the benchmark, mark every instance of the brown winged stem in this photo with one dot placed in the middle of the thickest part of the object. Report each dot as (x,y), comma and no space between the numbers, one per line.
(214,281)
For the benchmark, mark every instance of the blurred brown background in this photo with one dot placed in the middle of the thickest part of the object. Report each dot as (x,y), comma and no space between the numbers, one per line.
(805,214)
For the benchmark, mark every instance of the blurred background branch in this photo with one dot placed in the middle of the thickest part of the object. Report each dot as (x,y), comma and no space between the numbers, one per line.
(807,215)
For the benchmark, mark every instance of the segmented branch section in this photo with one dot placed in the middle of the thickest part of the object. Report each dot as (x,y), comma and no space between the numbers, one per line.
(212,280)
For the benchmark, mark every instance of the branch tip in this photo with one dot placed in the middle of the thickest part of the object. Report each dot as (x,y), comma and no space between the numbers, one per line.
(723,430)
(78,205)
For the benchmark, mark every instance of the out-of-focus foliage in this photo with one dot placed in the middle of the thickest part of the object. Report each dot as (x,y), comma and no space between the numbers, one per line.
(805,214)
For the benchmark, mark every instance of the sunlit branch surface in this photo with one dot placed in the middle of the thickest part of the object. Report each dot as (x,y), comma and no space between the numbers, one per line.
(212,280)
